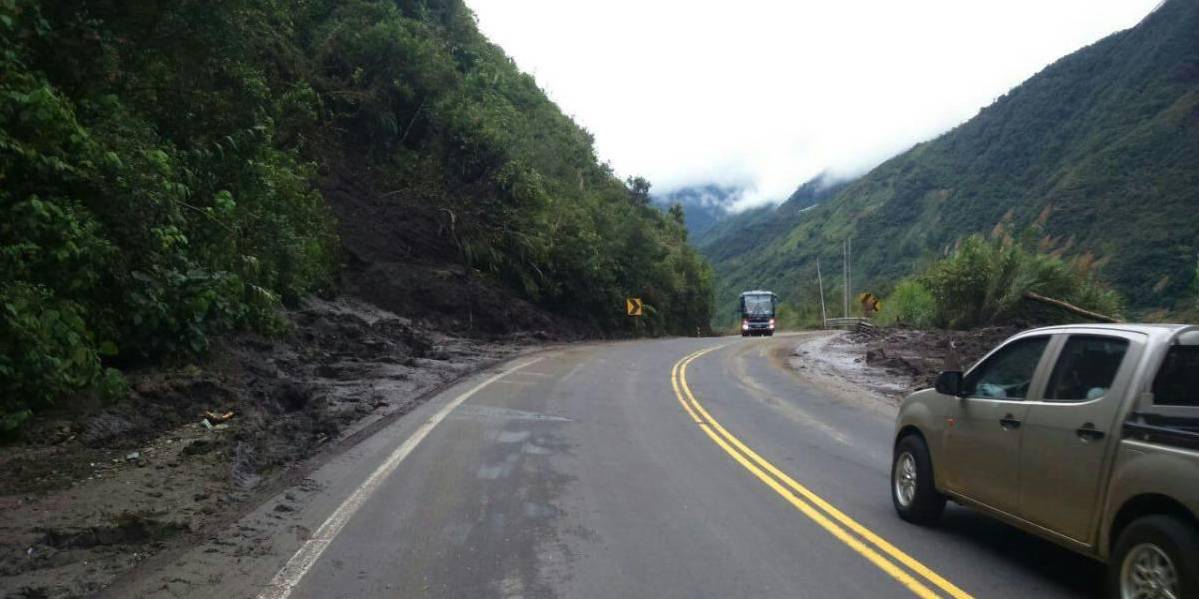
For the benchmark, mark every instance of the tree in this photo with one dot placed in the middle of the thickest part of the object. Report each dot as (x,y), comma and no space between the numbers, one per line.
(678,214)
(639,190)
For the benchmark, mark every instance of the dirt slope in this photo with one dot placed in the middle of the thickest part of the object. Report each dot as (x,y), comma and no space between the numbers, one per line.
(89,494)
(401,256)
(85,495)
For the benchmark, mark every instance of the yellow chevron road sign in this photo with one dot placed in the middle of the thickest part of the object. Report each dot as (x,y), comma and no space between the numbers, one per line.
(632,306)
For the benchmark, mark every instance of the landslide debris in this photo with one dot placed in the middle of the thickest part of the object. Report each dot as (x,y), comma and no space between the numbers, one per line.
(889,363)
(914,357)
(86,495)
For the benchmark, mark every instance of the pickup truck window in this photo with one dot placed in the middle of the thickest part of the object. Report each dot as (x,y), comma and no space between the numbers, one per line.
(1008,373)
(1086,368)
(1177,382)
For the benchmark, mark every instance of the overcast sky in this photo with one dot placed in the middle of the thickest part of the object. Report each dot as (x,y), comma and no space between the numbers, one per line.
(765,95)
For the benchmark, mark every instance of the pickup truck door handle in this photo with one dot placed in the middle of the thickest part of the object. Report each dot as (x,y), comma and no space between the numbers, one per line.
(1088,432)
(1009,422)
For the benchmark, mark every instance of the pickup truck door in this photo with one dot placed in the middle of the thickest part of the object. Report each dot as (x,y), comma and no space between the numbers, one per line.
(1068,435)
(983,431)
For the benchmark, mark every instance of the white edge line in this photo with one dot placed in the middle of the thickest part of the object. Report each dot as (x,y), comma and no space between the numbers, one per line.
(294,570)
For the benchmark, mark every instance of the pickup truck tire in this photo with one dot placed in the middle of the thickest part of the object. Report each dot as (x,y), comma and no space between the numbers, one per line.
(912,489)
(1153,545)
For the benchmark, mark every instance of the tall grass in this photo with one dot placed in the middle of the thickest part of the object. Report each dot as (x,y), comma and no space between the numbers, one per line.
(984,280)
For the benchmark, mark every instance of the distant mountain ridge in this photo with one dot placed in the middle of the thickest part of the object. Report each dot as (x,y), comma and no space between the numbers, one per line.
(1101,149)
(737,233)
(703,205)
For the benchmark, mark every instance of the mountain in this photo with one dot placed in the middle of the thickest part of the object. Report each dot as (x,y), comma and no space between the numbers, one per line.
(1098,154)
(176,171)
(729,241)
(703,205)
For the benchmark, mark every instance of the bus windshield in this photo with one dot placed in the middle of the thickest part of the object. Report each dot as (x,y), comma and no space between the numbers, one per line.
(759,305)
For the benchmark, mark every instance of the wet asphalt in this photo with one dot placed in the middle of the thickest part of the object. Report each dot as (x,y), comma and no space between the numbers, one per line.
(577,472)
(582,475)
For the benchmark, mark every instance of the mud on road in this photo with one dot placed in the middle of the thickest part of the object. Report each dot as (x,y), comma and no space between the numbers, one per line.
(87,495)
(90,495)
(887,364)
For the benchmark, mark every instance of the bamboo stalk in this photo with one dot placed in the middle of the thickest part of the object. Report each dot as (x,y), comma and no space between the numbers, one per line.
(1083,312)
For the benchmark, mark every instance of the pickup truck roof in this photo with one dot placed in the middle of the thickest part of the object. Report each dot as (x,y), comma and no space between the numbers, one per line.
(1182,334)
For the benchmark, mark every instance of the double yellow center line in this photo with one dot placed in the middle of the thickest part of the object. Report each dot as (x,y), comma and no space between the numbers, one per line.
(899,565)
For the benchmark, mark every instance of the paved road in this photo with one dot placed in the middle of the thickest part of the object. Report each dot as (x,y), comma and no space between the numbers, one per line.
(602,471)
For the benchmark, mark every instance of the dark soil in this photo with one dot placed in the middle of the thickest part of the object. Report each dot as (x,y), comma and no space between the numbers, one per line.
(402,256)
(915,357)
(86,495)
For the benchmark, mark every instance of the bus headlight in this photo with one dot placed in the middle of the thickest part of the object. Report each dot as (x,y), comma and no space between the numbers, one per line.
(772,323)
(744,325)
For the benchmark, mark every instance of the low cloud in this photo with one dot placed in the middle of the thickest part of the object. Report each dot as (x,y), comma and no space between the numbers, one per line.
(763,96)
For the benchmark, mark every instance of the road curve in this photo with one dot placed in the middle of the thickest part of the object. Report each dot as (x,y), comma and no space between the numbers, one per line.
(662,468)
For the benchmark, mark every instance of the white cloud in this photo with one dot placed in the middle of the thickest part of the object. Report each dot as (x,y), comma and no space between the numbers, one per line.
(768,94)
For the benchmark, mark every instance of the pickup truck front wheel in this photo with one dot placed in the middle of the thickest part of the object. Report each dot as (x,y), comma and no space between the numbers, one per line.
(1155,557)
(912,490)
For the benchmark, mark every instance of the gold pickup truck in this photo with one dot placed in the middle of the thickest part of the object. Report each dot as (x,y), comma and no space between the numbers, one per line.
(1087,435)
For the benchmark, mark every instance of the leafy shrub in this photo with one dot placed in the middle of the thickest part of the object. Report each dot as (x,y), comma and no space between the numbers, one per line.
(43,351)
(910,304)
(984,281)
(145,208)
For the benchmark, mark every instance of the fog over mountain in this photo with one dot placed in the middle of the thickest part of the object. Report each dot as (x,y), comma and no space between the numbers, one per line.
(706,206)
(764,98)
(703,205)
(1094,158)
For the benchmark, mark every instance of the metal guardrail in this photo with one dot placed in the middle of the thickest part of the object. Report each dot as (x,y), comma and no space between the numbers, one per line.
(853,323)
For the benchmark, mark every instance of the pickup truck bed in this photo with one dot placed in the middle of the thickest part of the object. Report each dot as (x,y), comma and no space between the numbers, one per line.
(1163,430)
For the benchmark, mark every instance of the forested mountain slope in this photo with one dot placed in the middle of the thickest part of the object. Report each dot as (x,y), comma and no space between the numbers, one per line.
(729,242)
(175,170)
(1100,151)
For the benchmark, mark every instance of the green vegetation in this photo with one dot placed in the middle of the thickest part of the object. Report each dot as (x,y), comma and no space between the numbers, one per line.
(1101,148)
(910,304)
(983,282)
(146,204)
(803,316)
(163,166)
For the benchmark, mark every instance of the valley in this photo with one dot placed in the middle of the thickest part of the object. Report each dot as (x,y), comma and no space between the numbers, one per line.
(341,298)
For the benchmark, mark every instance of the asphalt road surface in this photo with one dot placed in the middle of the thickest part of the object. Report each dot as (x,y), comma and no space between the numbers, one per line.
(664,468)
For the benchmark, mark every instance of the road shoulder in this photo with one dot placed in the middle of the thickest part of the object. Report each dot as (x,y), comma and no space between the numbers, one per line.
(830,362)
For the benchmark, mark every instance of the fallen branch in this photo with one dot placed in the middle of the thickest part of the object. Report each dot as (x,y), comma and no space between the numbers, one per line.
(1083,312)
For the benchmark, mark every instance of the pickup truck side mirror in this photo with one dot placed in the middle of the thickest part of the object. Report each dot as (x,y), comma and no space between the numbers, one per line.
(950,383)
